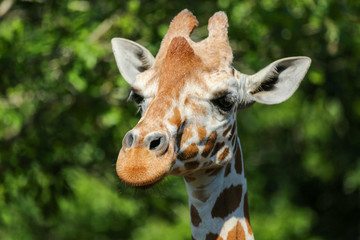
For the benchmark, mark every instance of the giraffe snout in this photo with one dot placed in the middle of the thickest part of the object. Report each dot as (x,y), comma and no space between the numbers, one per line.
(145,158)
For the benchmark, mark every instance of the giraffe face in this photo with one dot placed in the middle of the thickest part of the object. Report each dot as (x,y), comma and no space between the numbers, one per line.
(188,118)
(188,97)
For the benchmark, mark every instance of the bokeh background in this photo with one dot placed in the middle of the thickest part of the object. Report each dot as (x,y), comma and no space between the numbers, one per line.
(63,114)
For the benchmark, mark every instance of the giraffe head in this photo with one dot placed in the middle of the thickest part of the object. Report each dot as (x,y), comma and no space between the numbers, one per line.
(188,96)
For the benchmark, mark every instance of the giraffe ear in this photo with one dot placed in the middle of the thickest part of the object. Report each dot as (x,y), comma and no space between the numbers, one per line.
(278,81)
(131,58)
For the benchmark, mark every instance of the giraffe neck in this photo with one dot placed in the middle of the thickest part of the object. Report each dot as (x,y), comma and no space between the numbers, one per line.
(218,201)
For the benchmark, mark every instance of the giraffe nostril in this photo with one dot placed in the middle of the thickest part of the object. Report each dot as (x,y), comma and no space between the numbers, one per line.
(155,143)
(129,139)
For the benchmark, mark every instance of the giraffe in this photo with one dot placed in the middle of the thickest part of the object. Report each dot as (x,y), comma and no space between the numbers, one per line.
(189,96)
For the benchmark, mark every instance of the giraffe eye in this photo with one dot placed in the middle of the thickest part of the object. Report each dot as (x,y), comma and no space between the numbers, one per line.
(224,103)
(136,97)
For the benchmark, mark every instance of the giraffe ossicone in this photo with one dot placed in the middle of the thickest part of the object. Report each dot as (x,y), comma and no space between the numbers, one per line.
(189,96)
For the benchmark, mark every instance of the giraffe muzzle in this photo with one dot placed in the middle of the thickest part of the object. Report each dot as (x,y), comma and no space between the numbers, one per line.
(144,161)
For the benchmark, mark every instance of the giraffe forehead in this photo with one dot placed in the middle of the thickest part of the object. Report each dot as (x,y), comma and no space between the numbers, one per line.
(180,66)
(186,68)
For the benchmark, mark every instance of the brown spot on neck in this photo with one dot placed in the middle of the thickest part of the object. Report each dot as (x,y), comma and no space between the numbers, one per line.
(195,217)
(227,202)
(237,233)
(213,236)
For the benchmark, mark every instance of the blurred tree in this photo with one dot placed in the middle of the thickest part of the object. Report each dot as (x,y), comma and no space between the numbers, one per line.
(63,113)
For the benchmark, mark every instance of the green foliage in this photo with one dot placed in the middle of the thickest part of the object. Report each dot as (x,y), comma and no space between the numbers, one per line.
(63,114)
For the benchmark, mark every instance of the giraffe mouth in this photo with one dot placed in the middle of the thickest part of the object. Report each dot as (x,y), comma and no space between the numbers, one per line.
(149,185)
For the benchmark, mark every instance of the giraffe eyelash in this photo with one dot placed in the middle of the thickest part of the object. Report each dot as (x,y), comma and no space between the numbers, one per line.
(139,109)
(136,97)
(225,103)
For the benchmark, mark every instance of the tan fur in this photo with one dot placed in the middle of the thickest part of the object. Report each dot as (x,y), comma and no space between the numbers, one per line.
(209,144)
(176,118)
(185,136)
(201,133)
(182,25)
(216,45)
(142,171)
(190,152)
(179,65)
(223,154)
(237,233)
